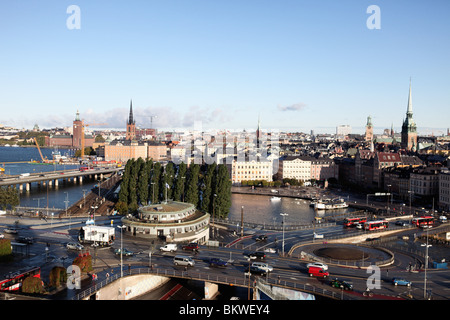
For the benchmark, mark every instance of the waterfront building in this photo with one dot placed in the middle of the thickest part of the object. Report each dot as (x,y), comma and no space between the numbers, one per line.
(174,221)
(409,128)
(71,140)
(123,150)
(255,169)
(298,168)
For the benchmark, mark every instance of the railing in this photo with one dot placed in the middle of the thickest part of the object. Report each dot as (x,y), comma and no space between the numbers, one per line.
(274,226)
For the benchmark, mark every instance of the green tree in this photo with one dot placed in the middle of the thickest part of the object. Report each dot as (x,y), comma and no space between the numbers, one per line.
(207,187)
(154,184)
(192,184)
(9,197)
(180,182)
(221,196)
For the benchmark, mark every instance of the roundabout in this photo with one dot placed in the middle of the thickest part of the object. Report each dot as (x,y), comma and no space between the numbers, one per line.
(347,254)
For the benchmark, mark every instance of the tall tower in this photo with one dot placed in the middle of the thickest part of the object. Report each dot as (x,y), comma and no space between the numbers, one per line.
(409,128)
(131,124)
(369,129)
(77,131)
(258,134)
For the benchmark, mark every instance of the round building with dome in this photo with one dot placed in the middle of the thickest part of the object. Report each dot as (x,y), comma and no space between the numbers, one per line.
(175,221)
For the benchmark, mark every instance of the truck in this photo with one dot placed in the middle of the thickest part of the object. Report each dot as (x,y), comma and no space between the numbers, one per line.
(317,272)
(96,235)
(172,247)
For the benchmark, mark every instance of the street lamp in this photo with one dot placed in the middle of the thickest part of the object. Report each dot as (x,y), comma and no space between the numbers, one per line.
(426,266)
(93,215)
(121,249)
(282,246)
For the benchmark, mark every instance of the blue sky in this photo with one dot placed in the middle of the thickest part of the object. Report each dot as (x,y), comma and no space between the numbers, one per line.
(300,65)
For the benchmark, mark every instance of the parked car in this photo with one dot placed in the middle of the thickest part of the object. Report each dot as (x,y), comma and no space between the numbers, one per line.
(191,247)
(401,282)
(11,230)
(317,264)
(216,262)
(125,252)
(341,284)
(74,246)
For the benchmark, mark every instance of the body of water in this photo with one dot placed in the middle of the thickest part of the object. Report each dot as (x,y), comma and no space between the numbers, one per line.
(257,208)
(14,161)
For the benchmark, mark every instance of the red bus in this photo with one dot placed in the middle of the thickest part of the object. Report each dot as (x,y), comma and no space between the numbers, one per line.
(425,221)
(13,280)
(376,225)
(353,221)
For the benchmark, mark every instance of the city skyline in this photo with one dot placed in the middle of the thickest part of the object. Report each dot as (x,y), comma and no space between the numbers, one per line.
(298,66)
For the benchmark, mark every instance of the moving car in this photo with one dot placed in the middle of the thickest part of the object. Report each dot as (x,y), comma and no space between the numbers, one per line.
(261,238)
(26,240)
(74,246)
(191,247)
(317,264)
(263,265)
(317,272)
(125,252)
(256,270)
(183,261)
(256,255)
(216,262)
(401,282)
(169,247)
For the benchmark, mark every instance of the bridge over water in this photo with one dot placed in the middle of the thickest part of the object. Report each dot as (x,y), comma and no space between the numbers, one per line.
(54,176)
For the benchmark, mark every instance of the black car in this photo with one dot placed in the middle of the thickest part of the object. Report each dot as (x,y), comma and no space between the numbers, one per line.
(256,255)
(261,238)
(341,284)
(27,240)
(257,271)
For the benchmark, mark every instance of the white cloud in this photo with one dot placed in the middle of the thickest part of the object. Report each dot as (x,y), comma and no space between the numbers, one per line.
(294,107)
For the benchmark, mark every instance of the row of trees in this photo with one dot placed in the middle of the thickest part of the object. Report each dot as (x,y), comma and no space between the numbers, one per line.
(208,187)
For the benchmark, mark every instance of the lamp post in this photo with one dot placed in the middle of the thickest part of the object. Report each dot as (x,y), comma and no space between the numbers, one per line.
(93,215)
(282,246)
(426,266)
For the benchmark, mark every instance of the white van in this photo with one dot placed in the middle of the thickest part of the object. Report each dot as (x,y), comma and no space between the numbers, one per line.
(183,261)
(263,266)
(169,247)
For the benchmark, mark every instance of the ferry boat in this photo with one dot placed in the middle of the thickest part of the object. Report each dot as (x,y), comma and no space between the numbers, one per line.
(330,204)
(275,199)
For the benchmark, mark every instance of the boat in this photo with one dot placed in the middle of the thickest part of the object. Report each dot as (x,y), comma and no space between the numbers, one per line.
(275,199)
(330,204)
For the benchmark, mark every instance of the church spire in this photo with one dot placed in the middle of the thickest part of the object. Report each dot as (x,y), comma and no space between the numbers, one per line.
(130,117)
(409,111)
